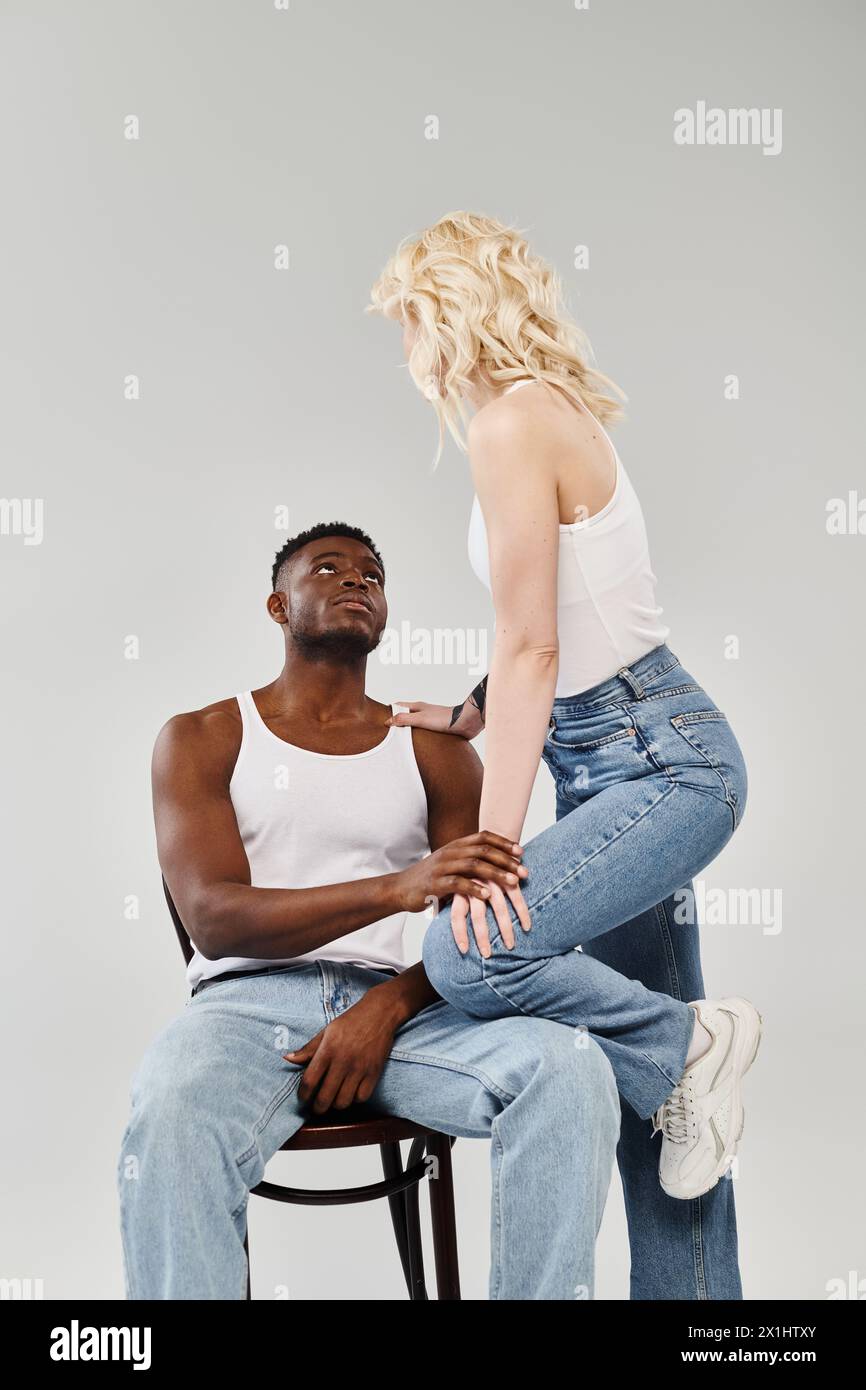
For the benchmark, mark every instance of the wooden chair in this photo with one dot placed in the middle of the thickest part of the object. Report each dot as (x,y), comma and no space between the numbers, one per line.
(358,1125)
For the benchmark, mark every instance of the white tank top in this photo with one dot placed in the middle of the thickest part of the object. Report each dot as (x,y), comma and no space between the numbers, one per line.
(607,614)
(308,818)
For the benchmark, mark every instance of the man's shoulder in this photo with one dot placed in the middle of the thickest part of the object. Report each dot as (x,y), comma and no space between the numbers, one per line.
(440,751)
(211,721)
(212,731)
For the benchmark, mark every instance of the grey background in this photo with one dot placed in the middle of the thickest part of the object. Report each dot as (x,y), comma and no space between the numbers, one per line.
(262,388)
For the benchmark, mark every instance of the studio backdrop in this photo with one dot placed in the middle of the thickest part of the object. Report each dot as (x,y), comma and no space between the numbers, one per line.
(197,199)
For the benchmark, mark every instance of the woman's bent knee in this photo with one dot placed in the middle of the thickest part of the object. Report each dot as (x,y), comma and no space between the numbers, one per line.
(456,977)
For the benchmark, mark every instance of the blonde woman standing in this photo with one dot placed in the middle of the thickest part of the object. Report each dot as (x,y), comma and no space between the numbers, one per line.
(650,780)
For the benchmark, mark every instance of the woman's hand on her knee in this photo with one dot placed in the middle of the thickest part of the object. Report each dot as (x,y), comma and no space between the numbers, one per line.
(466,909)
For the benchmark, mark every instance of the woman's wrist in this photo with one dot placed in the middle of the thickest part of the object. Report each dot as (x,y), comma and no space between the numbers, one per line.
(468,718)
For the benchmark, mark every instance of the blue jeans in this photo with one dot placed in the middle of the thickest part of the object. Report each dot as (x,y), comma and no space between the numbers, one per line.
(213,1099)
(650,786)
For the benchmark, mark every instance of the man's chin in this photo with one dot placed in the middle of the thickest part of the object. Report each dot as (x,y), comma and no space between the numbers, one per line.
(346,644)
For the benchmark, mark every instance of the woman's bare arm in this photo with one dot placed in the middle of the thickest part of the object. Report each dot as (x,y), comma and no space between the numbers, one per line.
(515,480)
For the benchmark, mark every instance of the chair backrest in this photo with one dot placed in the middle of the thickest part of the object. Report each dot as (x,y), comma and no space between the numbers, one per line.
(185,943)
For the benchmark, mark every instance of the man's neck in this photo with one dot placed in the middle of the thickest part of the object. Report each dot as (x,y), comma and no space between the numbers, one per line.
(322,690)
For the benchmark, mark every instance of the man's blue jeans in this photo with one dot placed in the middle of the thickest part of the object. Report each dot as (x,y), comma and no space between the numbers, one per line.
(651,784)
(213,1099)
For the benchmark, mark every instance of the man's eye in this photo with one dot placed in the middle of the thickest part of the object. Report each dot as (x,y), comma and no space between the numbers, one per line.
(371,574)
(325,565)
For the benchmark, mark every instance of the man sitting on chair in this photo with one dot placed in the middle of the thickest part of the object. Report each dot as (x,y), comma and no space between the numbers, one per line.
(296,829)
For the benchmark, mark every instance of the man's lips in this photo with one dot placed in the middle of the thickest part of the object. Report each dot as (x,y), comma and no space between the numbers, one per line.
(356,602)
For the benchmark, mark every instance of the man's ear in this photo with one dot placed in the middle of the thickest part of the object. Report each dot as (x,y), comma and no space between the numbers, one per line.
(277,607)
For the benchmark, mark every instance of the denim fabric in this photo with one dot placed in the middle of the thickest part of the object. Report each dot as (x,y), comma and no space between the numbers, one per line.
(650,785)
(213,1099)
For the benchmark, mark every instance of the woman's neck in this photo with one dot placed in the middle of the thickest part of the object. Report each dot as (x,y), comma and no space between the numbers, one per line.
(483,390)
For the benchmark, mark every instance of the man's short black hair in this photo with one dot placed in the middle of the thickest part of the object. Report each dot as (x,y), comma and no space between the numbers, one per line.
(322,528)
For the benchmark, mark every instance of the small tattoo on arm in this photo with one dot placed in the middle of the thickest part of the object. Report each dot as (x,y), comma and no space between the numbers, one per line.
(478,696)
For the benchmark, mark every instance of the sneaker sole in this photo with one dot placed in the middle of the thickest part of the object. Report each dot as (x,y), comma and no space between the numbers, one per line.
(730,1150)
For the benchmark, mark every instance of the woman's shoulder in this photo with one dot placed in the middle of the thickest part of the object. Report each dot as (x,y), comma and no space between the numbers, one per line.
(508,413)
(540,411)
(506,428)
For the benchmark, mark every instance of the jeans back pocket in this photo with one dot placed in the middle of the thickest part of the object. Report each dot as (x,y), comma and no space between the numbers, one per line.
(697,747)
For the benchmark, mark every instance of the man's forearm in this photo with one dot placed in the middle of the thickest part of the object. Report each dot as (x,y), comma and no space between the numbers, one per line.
(406,995)
(235,919)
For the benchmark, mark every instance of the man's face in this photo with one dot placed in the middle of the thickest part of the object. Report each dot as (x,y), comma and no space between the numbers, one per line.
(334,598)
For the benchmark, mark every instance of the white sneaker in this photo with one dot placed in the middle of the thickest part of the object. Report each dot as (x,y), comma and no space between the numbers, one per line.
(701,1122)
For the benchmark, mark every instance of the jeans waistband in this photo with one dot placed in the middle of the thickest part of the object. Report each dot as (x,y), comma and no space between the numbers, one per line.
(238,975)
(267,970)
(628,683)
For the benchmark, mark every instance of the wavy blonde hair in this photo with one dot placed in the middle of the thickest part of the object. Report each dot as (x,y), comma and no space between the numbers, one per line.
(482,299)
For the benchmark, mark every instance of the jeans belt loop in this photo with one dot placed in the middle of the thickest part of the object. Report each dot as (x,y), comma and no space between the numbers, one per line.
(632,681)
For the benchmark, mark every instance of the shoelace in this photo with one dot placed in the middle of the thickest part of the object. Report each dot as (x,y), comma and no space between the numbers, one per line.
(675,1115)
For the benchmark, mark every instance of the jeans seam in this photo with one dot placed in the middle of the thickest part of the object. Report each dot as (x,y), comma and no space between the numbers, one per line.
(697,1210)
(657,675)
(660,1069)
(729,795)
(689,689)
(729,798)
(698,1245)
(484,980)
(602,707)
(126,1260)
(593,743)
(267,1114)
(670,955)
(582,865)
(496,1235)
(449,1064)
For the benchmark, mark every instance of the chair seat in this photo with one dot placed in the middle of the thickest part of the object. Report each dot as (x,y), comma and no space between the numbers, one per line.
(355,1125)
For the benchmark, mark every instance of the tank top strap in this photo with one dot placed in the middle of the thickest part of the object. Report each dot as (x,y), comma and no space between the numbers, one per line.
(401,735)
(397,708)
(254,730)
(515,385)
(245,700)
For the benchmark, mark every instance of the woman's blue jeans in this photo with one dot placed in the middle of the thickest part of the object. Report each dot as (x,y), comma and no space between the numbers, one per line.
(650,786)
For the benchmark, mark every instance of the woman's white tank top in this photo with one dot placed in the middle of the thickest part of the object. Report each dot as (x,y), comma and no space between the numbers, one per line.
(607,614)
(308,818)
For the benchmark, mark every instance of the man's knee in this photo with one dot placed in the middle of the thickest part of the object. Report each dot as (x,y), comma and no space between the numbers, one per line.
(564,1067)
(579,1066)
(175,1110)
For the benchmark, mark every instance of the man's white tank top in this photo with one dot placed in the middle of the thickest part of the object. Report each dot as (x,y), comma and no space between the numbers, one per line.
(607,614)
(308,819)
